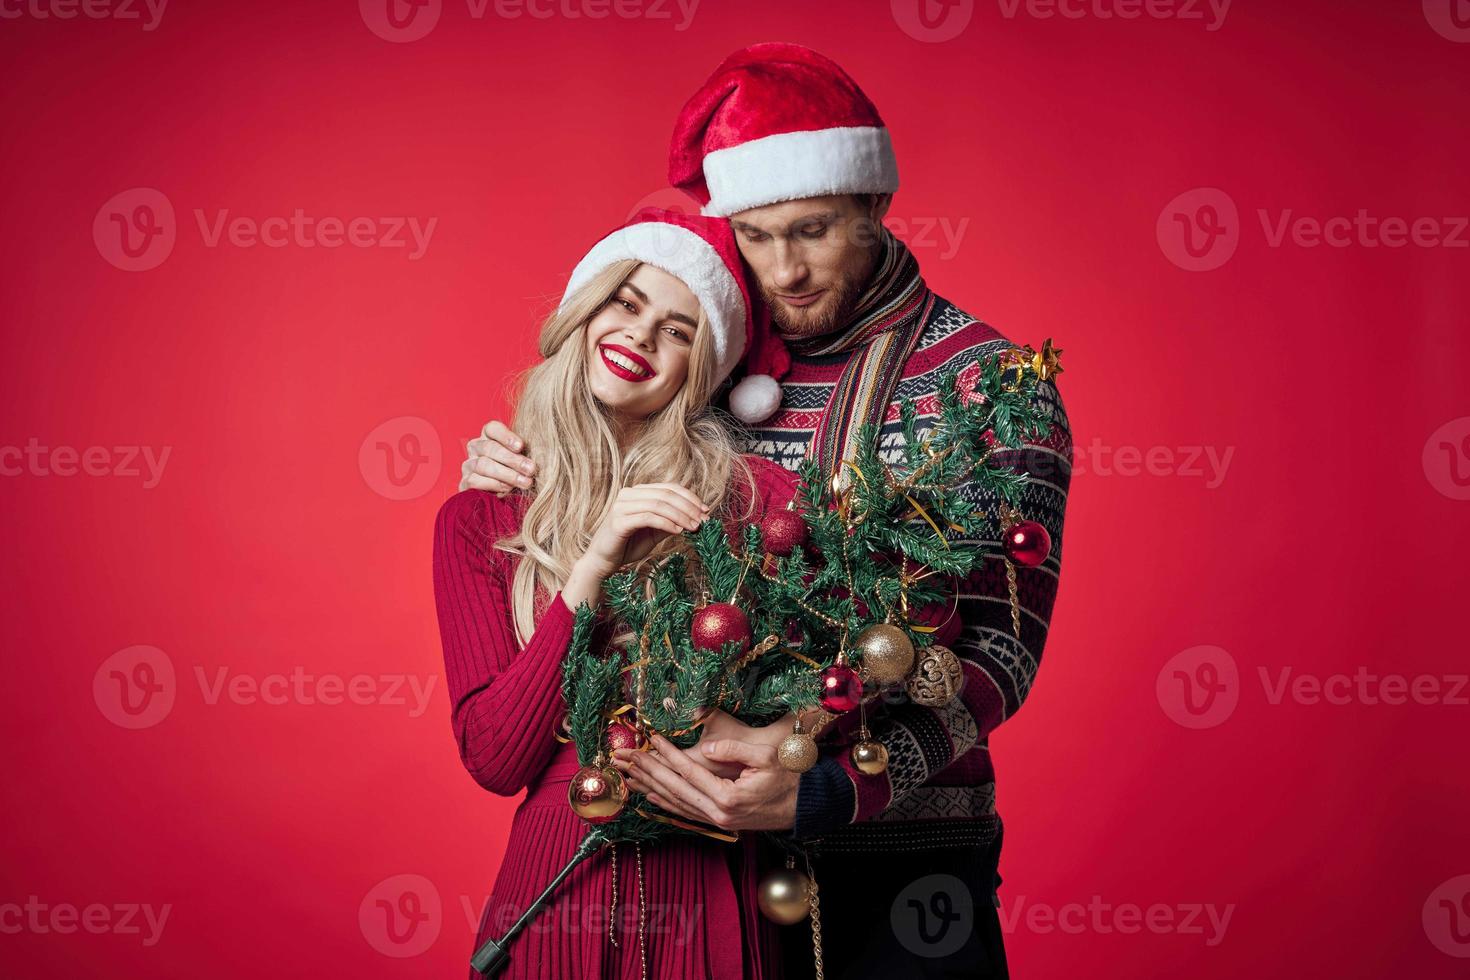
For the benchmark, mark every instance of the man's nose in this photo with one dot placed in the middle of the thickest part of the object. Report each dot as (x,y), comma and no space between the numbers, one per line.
(789,270)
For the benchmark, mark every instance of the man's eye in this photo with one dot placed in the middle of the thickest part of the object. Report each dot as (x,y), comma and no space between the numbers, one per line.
(755,236)
(813,231)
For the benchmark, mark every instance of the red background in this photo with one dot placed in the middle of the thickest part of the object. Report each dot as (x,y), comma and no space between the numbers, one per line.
(1328,546)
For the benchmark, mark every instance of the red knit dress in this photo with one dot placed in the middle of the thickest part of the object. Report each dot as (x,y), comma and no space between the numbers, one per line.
(699,913)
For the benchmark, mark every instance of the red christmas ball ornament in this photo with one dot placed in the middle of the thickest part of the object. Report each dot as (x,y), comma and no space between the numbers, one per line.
(720,623)
(783,531)
(842,689)
(1027,543)
(621,735)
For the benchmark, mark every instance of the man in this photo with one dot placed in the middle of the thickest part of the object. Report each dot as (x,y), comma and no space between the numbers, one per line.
(785,144)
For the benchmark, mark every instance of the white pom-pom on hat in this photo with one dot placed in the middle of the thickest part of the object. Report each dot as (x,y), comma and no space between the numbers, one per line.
(755,398)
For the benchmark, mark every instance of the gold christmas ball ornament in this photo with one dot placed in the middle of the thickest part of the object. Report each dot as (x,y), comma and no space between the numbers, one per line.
(785,896)
(887,653)
(597,794)
(798,751)
(936,680)
(869,757)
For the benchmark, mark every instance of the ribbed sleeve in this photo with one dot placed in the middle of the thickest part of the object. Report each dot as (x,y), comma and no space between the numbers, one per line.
(504,699)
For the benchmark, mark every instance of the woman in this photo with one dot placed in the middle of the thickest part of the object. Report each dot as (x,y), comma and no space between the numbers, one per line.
(629,455)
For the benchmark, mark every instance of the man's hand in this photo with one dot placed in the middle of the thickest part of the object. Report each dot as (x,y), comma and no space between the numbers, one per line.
(495,462)
(761,797)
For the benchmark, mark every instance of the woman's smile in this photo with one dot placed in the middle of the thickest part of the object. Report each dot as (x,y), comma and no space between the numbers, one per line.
(625,364)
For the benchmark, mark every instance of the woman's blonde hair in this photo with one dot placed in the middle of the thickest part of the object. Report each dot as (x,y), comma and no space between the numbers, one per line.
(579,465)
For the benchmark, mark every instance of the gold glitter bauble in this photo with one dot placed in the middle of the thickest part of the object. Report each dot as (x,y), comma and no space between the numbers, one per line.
(887,653)
(597,793)
(785,896)
(869,757)
(797,752)
(937,678)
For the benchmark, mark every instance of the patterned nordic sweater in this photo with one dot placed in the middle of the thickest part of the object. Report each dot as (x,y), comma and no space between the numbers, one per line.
(939,788)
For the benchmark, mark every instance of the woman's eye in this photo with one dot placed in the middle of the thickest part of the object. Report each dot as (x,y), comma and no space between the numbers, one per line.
(677,334)
(628,306)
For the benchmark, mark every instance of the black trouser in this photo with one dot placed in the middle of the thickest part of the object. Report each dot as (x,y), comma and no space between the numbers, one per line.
(904,914)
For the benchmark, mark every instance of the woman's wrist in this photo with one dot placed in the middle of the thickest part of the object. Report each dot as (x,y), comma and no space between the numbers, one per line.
(584,584)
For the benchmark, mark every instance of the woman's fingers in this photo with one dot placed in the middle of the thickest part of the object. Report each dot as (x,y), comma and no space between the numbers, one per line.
(665,502)
(688,521)
(691,519)
(658,522)
(682,491)
(654,772)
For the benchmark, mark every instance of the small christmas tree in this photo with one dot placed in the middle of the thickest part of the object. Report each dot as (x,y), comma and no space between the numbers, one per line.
(813,603)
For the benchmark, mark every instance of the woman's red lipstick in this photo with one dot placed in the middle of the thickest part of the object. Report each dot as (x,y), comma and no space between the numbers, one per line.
(622,370)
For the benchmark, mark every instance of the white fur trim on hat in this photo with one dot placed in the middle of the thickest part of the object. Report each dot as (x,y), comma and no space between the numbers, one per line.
(789,166)
(755,398)
(684,254)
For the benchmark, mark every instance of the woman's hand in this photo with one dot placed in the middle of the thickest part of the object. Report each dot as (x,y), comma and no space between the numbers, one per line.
(640,516)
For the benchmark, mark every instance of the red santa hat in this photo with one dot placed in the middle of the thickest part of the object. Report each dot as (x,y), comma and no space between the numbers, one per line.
(779,122)
(701,252)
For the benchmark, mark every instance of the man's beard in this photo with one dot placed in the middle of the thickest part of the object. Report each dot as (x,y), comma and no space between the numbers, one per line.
(836,306)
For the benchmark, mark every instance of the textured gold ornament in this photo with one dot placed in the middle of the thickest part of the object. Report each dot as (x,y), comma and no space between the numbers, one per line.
(597,794)
(870,757)
(798,751)
(1046,362)
(937,678)
(785,896)
(887,653)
